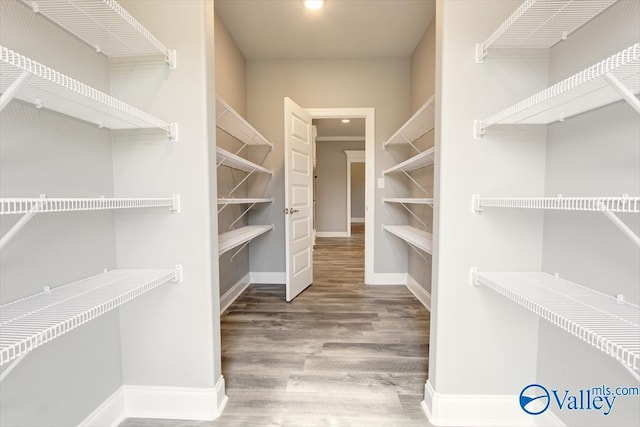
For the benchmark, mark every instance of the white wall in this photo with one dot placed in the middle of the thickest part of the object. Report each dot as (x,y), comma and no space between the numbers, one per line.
(482,344)
(331,185)
(41,151)
(593,154)
(357,190)
(381,84)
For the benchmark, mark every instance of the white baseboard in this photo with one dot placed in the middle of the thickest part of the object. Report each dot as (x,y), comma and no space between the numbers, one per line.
(357,220)
(419,292)
(332,234)
(480,411)
(172,403)
(268,277)
(389,279)
(234,292)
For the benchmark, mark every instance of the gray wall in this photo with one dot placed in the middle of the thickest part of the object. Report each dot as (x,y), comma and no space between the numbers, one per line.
(481,343)
(423,80)
(331,185)
(593,154)
(357,190)
(231,76)
(382,84)
(60,383)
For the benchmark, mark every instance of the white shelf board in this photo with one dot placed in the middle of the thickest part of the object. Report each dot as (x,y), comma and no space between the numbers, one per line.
(577,94)
(241,201)
(31,322)
(418,161)
(103,24)
(415,237)
(409,200)
(601,320)
(234,238)
(542,23)
(234,161)
(9,206)
(235,125)
(593,204)
(418,125)
(55,91)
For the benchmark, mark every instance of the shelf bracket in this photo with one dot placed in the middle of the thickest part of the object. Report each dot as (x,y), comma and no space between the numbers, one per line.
(621,226)
(175,203)
(478,129)
(171,58)
(246,177)
(624,91)
(11,367)
(415,216)
(475,204)
(415,182)
(418,252)
(241,215)
(178,274)
(481,52)
(14,88)
(172,133)
(20,224)
(473,276)
(235,254)
(222,208)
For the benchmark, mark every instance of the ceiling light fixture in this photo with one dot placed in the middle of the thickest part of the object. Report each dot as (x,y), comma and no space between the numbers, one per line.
(313,4)
(345,120)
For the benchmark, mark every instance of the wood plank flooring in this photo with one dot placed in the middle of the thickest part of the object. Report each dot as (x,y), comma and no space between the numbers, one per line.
(341,354)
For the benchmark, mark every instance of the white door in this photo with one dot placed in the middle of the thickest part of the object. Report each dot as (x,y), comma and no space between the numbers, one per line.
(298,181)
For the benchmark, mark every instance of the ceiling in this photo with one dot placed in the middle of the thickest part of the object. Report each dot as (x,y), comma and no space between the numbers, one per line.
(334,127)
(279,29)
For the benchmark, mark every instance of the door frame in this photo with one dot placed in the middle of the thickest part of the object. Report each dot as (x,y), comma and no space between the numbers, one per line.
(353,156)
(368,114)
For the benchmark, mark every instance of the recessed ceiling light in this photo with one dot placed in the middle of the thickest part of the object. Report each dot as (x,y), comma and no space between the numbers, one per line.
(345,120)
(313,4)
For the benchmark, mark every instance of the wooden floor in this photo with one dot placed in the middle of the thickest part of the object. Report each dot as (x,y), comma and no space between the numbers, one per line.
(341,354)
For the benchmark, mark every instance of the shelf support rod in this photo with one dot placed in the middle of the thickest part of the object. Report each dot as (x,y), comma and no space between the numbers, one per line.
(240,216)
(223,206)
(19,225)
(418,252)
(624,91)
(415,216)
(245,144)
(11,367)
(621,225)
(415,182)
(241,182)
(235,254)
(14,88)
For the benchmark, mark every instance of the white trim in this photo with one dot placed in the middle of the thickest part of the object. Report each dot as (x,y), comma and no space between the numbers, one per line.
(340,138)
(369,114)
(353,156)
(234,292)
(332,234)
(419,292)
(388,279)
(357,220)
(268,277)
(480,411)
(171,403)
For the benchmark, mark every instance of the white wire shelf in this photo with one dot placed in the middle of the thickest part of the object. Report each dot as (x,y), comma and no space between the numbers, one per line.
(418,161)
(418,125)
(584,91)
(541,24)
(622,204)
(241,201)
(415,237)
(10,206)
(610,324)
(32,82)
(235,125)
(29,323)
(239,236)
(234,161)
(409,200)
(104,25)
